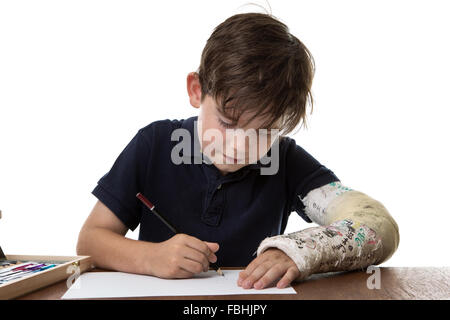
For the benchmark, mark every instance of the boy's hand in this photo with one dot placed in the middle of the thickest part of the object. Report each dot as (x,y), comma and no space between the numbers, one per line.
(182,256)
(268,267)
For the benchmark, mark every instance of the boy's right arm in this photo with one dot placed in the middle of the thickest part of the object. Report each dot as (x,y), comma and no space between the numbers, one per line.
(103,238)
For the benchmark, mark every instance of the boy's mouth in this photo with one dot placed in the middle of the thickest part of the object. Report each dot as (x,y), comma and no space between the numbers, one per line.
(231,159)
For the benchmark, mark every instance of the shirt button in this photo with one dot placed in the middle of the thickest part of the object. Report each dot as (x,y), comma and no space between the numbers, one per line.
(219,186)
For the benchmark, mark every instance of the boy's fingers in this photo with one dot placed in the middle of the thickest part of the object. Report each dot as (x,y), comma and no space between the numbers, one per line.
(202,246)
(198,244)
(256,274)
(183,274)
(196,256)
(192,266)
(249,269)
(214,246)
(290,276)
(242,276)
(273,273)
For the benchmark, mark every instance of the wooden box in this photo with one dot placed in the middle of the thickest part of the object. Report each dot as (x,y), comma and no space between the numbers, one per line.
(67,266)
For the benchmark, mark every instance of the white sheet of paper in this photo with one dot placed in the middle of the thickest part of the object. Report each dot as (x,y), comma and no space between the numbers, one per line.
(92,285)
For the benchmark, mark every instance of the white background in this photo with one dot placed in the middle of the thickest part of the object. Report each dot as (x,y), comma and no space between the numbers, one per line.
(79,78)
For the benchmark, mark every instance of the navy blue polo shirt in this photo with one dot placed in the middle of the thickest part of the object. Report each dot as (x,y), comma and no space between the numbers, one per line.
(237,210)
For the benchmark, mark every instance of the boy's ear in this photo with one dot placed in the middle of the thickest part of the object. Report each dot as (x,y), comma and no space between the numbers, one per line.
(194,89)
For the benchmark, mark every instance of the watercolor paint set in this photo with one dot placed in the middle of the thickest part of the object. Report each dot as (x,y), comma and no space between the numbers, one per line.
(24,269)
(22,274)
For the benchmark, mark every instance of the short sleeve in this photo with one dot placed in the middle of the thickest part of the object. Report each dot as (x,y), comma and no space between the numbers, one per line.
(117,189)
(304,173)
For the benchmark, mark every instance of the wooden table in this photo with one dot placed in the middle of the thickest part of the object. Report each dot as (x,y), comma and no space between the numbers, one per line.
(395,283)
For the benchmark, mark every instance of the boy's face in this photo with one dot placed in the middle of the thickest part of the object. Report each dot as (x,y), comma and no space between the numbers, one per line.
(231,147)
(228,148)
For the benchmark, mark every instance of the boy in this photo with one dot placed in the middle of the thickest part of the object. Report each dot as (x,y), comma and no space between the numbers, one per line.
(204,176)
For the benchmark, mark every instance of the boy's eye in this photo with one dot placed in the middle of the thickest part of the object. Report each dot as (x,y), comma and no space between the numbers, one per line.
(225,124)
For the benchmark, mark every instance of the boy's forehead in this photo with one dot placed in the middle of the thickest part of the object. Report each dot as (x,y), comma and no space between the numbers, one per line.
(255,120)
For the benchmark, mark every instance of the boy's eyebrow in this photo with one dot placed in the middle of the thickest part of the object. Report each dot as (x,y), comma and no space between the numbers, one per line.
(261,128)
(235,122)
(231,123)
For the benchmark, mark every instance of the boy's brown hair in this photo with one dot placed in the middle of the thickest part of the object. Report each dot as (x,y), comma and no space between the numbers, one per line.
(251,62)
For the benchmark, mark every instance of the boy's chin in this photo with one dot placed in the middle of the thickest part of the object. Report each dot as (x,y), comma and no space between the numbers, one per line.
(228,168)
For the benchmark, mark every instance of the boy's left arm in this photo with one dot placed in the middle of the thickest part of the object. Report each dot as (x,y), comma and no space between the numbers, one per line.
(354,231)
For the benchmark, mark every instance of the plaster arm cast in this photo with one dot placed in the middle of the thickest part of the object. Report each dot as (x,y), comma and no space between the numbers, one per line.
(354,231)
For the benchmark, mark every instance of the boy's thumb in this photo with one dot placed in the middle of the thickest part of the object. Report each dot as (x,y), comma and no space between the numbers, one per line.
(214,246)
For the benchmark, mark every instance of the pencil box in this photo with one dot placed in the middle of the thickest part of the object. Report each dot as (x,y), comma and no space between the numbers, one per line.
(64,267)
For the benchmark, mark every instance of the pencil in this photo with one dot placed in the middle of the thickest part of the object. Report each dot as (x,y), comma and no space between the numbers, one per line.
(150,206)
